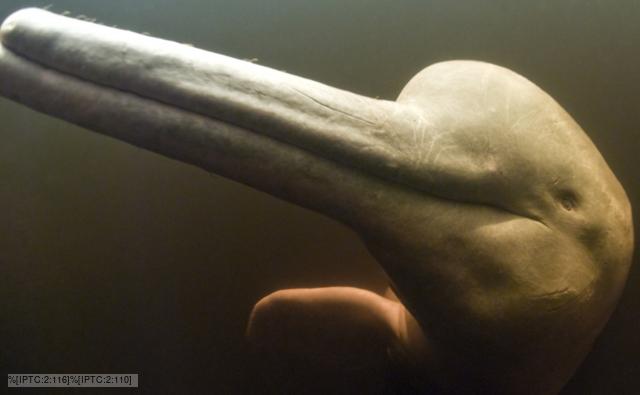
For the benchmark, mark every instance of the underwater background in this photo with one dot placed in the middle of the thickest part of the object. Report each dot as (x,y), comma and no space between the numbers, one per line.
(117,260)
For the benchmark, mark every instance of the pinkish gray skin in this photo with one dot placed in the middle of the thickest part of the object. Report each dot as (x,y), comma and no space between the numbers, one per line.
(503,230)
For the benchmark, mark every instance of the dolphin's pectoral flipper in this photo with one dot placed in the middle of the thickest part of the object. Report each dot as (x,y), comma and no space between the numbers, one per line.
(350,332)
(502,228)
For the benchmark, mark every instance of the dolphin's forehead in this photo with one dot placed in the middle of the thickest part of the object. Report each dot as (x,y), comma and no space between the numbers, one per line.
(480,80)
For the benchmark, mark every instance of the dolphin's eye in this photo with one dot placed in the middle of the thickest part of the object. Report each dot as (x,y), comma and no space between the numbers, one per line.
(568,199)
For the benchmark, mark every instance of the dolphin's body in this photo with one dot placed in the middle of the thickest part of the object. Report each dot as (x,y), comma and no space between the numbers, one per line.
(503,230)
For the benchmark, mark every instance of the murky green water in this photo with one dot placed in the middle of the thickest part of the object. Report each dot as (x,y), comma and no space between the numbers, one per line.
(117,260)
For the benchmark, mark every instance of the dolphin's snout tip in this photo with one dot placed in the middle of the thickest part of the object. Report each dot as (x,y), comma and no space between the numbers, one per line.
(7,27)
(11,23)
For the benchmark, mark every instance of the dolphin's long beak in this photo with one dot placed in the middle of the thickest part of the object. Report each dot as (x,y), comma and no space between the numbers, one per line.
(289,136)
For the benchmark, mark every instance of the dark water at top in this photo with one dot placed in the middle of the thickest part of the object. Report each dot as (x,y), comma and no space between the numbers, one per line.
(114,259)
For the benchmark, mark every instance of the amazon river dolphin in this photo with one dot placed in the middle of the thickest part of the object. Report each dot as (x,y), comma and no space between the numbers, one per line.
(505,235)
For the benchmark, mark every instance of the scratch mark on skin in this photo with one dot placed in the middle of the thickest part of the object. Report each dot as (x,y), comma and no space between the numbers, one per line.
(484,83)
(444,148)
(523,117)
(414,133)
(313,99)
(508,107)
(419,139)
(427,153)
(560,298)
(423,137)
